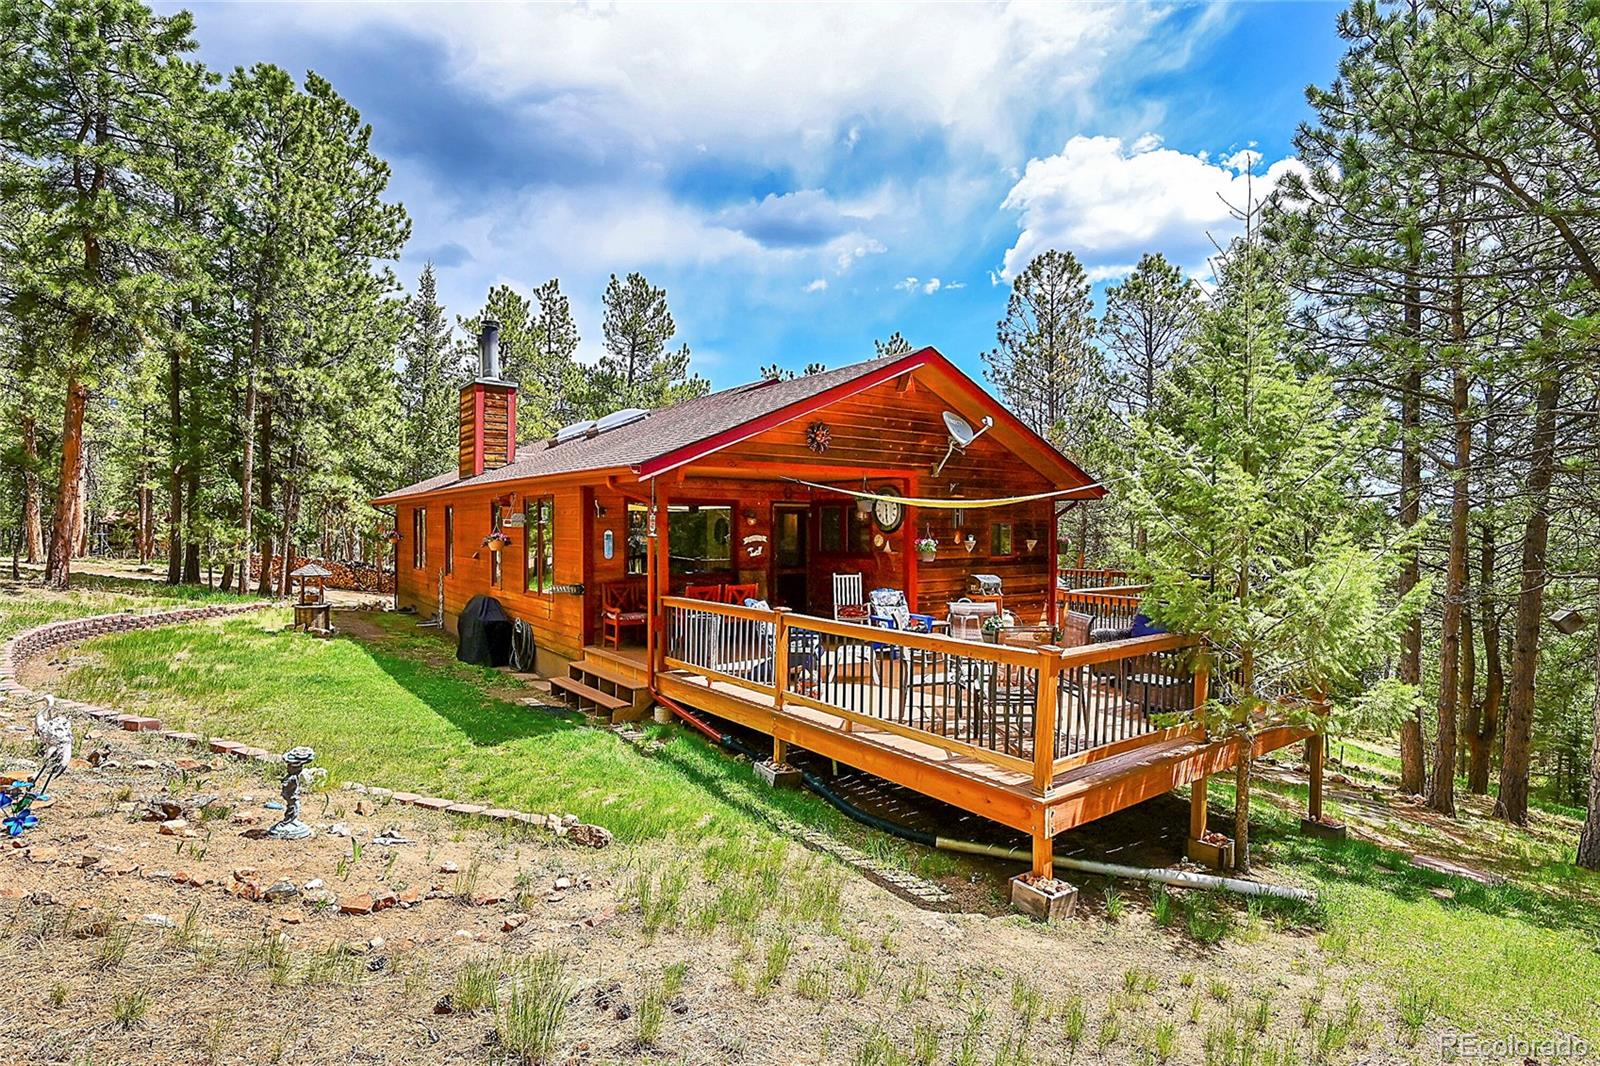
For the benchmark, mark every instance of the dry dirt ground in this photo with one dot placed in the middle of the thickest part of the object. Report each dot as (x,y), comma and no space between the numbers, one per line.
(124,943)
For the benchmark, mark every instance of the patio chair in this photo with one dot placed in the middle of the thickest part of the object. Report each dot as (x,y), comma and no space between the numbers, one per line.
(891,604)
(740,594)
(848,604)
(709,593)
(621,610)
(967,617)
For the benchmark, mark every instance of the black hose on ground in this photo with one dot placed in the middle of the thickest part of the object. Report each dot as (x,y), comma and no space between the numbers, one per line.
(813,781)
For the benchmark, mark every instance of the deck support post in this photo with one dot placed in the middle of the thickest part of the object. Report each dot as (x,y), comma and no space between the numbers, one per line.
(1315,751)
(1197,808)
(1043,855)
(780,751)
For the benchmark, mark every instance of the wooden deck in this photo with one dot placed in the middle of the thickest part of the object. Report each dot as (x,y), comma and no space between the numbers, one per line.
(1040,739)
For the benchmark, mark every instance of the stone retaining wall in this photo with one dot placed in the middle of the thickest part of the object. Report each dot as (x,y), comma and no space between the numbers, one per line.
(31,643)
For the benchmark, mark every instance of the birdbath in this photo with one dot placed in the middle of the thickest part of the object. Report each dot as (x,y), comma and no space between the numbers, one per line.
(290,827)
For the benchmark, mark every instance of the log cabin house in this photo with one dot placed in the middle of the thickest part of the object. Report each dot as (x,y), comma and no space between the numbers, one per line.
(722,553)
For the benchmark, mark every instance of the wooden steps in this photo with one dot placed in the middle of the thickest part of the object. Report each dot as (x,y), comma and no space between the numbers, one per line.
(605,683)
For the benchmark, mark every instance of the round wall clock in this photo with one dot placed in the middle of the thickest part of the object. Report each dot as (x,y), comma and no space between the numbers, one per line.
(887,513)
(818,437)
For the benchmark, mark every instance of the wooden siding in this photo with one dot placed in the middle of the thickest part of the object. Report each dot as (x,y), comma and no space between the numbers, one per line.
(890,435)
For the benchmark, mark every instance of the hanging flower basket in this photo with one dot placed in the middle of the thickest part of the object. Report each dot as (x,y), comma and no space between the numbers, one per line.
(927,548)
(495,541)
(391,536)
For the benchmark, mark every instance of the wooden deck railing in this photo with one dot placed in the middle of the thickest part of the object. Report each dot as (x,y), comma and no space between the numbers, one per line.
(1088,577)
(1112,606)
(1034,710)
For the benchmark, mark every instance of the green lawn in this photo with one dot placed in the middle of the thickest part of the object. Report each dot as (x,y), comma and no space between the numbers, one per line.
(26,604)
(398,711)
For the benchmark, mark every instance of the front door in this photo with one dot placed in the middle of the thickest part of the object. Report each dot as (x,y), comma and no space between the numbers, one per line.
(791,537)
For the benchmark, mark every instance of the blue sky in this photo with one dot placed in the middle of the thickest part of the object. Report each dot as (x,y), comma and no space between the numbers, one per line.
(803,179)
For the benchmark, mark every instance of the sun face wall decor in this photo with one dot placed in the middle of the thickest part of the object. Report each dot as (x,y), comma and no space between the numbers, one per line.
(818,437)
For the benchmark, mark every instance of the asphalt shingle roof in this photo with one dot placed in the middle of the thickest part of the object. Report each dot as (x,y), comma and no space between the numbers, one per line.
(666,430)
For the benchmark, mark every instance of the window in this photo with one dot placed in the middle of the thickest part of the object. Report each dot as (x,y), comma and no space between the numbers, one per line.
(699,538)
(419,537)
(1000,539)
(539,544)
(449,540)
(830,529)
(638,555)
(843,530)
(494,556)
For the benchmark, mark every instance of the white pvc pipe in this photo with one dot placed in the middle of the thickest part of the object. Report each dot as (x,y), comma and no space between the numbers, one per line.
(1164,875)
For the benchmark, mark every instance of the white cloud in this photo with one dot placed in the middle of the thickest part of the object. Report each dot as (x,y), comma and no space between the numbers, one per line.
(848,252)
(817,285)
(908,285)
(1107,203)
(930,286)
(665,75)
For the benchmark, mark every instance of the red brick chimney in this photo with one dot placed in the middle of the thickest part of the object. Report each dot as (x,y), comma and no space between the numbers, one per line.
(488,410)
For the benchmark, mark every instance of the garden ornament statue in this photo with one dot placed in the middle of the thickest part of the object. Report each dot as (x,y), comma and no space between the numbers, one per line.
(55,741)
(290,827)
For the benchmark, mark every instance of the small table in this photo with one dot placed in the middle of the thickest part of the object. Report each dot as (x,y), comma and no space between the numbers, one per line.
(314,617)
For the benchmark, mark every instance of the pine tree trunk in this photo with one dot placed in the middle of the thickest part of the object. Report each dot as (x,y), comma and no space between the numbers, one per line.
(65,521)
(1413,764)
(1589,837)
(1512,802)
(264,577)
(1442,786)
(32,527)
(191,547)
(174,467)
(1480,743)
(247,472)
(80,519)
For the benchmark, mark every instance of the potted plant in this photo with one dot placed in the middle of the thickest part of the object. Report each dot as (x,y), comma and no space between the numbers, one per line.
(926,548)
(496,540)
(992,627)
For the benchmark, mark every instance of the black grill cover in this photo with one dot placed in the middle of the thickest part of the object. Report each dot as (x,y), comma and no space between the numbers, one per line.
(483,633)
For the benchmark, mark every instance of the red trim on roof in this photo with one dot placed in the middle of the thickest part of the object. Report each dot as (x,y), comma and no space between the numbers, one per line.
(892,369)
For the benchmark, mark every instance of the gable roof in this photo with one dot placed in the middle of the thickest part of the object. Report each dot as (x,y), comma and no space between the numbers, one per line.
(683,432)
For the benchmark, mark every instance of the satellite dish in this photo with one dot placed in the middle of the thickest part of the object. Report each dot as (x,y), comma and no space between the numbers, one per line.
(961,435)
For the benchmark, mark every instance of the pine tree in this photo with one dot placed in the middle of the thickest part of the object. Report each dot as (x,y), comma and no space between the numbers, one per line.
(85,103)
(895,345)
(1149,319)
(1243,475)
(1045,363)
(430,376)
(637,369)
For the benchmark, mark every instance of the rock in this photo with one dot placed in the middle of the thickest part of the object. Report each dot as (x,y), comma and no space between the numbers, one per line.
(313,884)
(363,808)
(244,873)
(146,764)
(463,934)
(488,899)
(590,836)
(445,1005)
(88,859)
(375,943)
(246,890)
(569,820)
(555,897)
(513,921)
(159,920)
(449,868)
(410,897)
(42,898)
(290,919)
(318,898)
(280,891)
(338,829)
(273,805)
(173,826)
(562,884)
(361,904)
(382,901)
